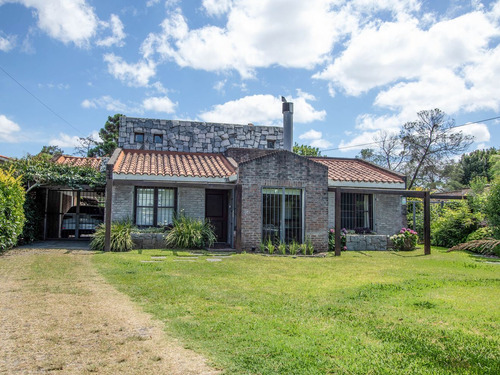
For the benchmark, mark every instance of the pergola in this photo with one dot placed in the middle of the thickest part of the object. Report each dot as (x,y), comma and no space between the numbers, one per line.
(425,195)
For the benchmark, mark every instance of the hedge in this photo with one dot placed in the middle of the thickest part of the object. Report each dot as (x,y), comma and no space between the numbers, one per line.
(12,198)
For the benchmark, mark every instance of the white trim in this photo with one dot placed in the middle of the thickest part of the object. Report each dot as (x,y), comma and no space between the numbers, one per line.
(146,177)
(358,184)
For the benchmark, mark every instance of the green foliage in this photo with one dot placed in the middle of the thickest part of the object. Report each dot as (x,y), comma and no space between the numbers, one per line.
(305,150)
(495,165)
(343,239)
(481,233)
(309,247)
(51,150)
(492,206)
(476,164)
(33,225)
(282,248)
(454,224)
(485,247)
(37,172)
(270,246)
(190,233)
(262,247)
(12,197)
(293,247)
(109,136)
(121,236)
(405,240)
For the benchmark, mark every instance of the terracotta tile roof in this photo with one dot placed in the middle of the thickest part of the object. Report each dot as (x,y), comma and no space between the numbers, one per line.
(356,170)
(172,163)
(78,161)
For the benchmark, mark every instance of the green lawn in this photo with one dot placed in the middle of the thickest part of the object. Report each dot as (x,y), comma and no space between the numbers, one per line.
(361,313)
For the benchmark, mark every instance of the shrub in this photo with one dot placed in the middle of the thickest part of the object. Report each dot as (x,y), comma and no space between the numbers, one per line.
(303,248)
(293,248)
(492,207)
(485,247)
(343,239)
(189,233)
(12,198)
(480,234)
(405,240)
(121,236)
(454,224)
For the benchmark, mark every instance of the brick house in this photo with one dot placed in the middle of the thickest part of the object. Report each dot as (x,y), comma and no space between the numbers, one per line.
(245,180)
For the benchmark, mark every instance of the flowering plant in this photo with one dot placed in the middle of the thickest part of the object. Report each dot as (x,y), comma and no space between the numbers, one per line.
(405,240)
(343,239)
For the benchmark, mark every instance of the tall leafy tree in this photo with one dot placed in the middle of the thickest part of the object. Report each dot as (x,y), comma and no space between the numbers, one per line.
(109,136)
(476,164)
(305,150)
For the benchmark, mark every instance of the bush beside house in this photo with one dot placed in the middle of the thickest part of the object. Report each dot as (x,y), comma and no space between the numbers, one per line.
(12,197)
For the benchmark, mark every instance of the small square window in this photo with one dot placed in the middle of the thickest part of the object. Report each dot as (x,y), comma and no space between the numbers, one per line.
(270,144)
(158,138)
(139,137)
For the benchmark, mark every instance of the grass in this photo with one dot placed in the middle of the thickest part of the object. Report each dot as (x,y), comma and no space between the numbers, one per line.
(362,313)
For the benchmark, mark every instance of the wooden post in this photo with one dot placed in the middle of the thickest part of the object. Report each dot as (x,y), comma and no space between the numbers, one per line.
(427,223)
(338,219)
(109,204)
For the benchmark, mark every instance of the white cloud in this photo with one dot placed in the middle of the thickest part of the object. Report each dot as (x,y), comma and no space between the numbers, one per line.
(216,7)
(70,21)
(151,3)
(155,104)
(7,43)
(315,139)
(480,132)
(117,36)
(108,103)
(159,104)
(219,85)
(66,140)
(256,34)
(8,130)
(137,74)
(263,110)
(385,52)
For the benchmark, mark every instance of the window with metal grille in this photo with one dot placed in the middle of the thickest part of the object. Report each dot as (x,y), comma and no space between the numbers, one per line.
(282,215)
(154,206)
(356,211)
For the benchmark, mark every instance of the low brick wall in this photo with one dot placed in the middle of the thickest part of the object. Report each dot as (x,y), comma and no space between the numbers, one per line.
(361,242)
(148,240)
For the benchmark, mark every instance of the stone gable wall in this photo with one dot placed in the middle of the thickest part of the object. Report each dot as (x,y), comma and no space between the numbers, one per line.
(191,136)
(284,169)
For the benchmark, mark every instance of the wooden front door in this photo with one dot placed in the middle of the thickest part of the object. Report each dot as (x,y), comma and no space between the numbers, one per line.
(216,212)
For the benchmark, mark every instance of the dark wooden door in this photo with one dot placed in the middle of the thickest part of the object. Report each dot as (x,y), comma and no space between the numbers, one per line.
(216,212)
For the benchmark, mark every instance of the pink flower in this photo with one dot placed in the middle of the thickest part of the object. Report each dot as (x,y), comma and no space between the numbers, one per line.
(345,248)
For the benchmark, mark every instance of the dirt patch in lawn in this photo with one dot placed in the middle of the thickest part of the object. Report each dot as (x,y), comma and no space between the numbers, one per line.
(57,314)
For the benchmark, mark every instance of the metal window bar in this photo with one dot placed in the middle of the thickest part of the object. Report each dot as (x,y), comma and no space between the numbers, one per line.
(282,215)
(356,211)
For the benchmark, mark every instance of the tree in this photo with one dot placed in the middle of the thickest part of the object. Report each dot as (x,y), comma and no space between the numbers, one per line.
(85,145)
(492,207)
(391,154)
(495,165)
(109,136)
(476,164)
(429,141)
(52,150)
(305,150)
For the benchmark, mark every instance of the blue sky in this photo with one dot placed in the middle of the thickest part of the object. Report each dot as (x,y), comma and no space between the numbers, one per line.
(352,68)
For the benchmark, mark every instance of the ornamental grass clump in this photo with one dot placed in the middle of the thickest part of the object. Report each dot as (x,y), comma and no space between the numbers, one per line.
(270,246)
(121,236)
(405,240)
(189,233)
(282,248)
(293,248)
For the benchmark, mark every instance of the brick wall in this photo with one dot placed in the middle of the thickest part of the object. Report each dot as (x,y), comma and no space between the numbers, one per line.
(123,202)
(190,136)
(388,214)
(284,169)
(191,201)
